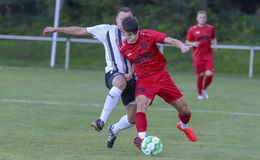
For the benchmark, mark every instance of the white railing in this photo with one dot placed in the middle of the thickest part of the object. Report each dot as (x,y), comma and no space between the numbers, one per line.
(161,46)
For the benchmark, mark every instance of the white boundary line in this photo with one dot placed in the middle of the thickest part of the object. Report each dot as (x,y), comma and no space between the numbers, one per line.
(99,105)
(46,102)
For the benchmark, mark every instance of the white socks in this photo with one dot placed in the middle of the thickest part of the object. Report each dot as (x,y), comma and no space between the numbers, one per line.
(110,103)
(142,135)
(183,125)
(121,124)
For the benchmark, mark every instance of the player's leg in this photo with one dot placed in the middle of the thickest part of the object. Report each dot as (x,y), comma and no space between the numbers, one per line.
(199,70)
(128,97)
(184,116)
(184,112)
(141,122)
(146,89)
(125,122)
(209,77)
(140,119)
(117,83)
(172,95)
(144,92)
(200,78)
(208,80)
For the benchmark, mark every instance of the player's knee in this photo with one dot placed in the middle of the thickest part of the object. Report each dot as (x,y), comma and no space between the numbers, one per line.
(120,84)
(209,73)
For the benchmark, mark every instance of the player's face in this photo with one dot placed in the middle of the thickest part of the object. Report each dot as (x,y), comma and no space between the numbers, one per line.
(120,17)
(130,37)
(202,19)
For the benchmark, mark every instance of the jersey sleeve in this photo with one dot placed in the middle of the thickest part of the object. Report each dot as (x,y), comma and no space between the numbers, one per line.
(190,36)
(157,36)
(99,31)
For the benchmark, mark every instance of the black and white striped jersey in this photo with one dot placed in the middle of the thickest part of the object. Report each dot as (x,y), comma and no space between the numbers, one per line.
(112,39)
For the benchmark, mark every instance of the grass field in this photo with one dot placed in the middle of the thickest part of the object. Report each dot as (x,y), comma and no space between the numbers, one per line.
(46,114)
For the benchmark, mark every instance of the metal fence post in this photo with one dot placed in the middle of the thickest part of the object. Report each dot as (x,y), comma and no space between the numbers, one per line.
(251,63)
(67,54)
(55,34)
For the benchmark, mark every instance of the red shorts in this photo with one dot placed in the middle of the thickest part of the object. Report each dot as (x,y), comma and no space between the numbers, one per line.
(160,84)
(201,66)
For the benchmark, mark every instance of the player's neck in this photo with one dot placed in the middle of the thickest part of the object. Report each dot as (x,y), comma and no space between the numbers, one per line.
(201,25)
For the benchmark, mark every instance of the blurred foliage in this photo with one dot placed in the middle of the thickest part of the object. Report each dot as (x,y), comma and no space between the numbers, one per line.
(236,21)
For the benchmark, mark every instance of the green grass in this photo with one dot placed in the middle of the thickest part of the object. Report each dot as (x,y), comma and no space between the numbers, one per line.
(46,114)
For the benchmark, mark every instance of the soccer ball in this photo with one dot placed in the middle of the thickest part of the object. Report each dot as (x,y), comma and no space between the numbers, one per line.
(152,146)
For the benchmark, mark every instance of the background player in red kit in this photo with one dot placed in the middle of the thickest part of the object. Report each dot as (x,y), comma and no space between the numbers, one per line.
(201,37)
(152,78)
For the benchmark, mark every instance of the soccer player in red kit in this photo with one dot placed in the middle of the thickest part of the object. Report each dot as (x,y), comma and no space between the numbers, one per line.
(140,47)
(201,37)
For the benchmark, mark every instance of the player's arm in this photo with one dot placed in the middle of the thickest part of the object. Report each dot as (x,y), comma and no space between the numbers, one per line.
(192,44)
(214,43)
(78,31)
(177,43)
(131,73)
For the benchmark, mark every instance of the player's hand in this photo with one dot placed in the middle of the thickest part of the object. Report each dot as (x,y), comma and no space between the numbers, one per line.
(185,48)
(128,76)
(48,30)
(196,44)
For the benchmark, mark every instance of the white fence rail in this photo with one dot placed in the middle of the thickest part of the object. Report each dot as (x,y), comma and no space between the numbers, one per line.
(81,40)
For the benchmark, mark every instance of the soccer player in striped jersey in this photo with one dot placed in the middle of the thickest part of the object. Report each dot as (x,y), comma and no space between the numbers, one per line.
(117,66)
(201,37)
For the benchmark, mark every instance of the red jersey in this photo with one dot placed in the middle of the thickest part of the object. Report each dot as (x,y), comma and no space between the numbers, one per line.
(204,36)
(144,53)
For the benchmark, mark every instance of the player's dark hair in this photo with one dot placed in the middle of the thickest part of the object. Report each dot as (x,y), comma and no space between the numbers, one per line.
(124,9)
(130,24)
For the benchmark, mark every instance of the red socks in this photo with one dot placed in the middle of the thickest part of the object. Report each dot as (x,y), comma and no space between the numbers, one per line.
(184,119)
(208,80)
(200,84)
(140,122)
